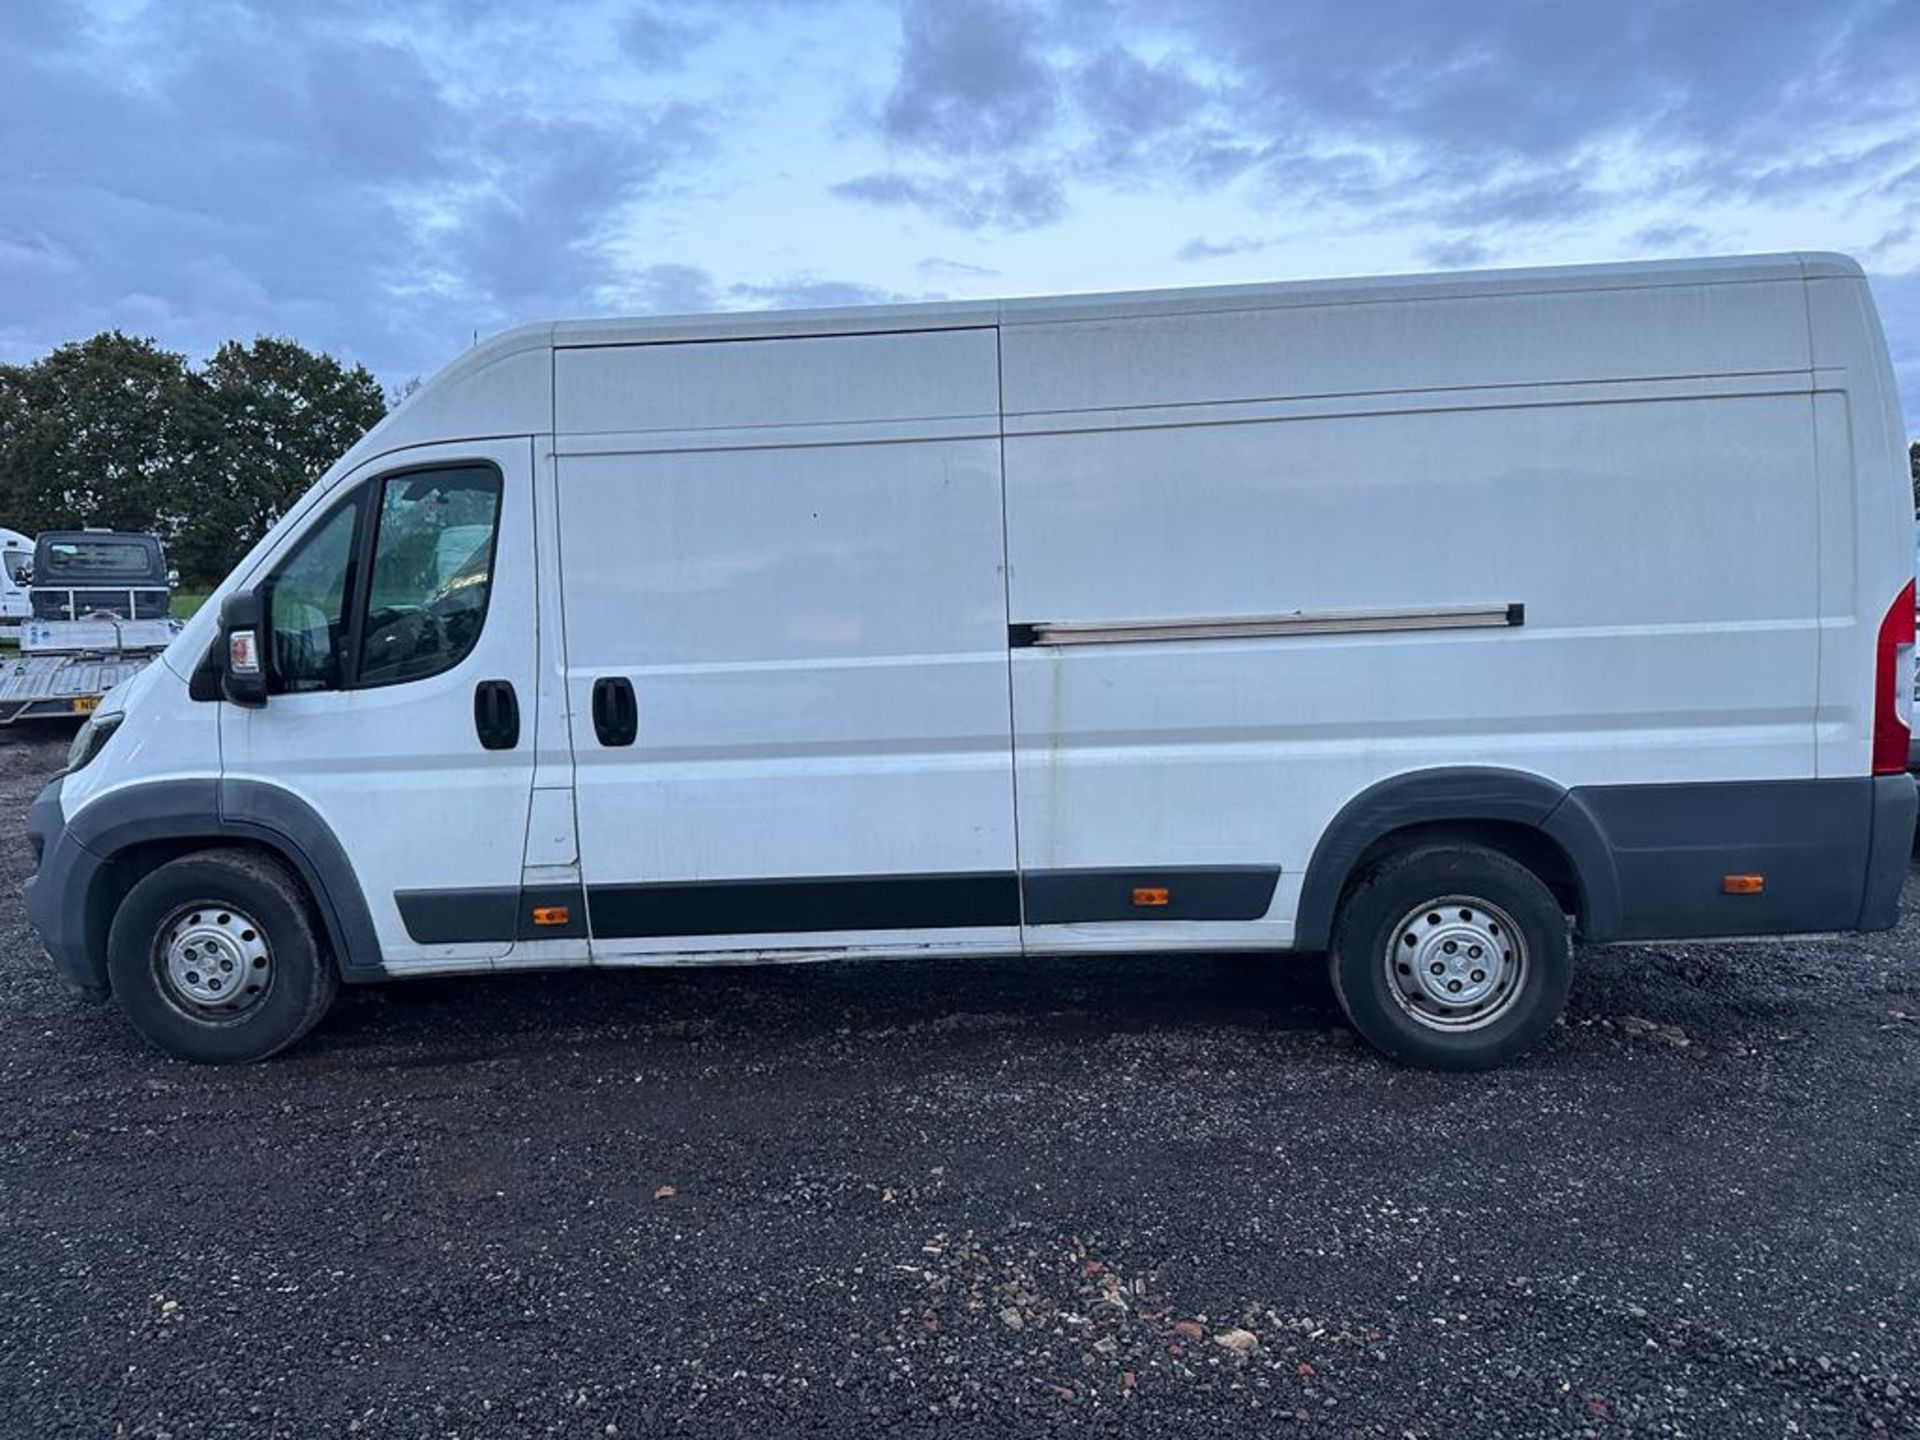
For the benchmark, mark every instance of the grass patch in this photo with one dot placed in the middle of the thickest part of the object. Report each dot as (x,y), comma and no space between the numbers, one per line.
(185,602)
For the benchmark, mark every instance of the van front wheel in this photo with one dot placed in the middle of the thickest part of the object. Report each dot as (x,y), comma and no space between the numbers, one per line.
(214,958)
(1451,957)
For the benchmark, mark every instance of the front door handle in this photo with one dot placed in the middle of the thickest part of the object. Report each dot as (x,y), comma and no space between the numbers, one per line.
(496,714)
(616,714)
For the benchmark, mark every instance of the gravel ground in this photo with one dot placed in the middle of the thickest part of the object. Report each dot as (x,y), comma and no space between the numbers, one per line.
(1166,1196)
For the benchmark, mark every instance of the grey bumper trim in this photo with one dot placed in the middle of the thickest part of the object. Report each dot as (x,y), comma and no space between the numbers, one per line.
(1896,805)
(64,872)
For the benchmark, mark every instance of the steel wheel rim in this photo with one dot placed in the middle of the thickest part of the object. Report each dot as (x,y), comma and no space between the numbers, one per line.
(212,961)
(1456,963)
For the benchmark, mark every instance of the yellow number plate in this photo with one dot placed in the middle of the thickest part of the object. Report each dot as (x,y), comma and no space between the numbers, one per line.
(83,703)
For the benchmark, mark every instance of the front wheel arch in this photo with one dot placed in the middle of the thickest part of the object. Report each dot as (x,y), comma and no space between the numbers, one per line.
(128,867)
(141,826)
(216,956)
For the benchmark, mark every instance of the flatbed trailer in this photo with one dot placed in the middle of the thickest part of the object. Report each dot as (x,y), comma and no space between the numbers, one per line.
(65,666)
(99,601)
(48,687)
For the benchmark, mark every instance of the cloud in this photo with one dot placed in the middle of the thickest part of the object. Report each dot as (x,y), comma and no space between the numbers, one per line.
(669,289)
(1534,199)
(1126,97)
(1673,238)
(934,267)
(969,82)
(675,289)
(1199,249)
(1016,199)
(1895,240)
(807,292)
(303,172)
(1770,179)
(1464,253)
(384,183)
(526,241)
(1475,114)
(1490,82)
(659,43)
(1897,296)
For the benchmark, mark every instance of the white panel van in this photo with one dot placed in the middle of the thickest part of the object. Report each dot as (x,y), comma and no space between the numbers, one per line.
(1430,624)
(16,568)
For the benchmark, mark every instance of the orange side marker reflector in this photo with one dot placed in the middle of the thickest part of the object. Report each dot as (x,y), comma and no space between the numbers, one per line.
(1149,895)
(550,914)
(1742,884)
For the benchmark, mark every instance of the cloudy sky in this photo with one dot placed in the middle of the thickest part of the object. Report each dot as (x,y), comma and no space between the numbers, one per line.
(384,180)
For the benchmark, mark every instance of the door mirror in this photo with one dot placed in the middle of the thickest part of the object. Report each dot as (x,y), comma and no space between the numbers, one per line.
(242,653)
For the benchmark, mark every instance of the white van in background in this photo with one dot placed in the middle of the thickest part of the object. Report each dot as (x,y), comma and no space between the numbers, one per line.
(1427,622)
(16,567)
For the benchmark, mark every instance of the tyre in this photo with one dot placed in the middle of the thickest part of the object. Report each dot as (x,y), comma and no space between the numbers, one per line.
(1451,957)
(215,958)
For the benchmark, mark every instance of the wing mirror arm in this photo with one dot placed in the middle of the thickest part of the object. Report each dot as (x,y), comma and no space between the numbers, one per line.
(242,652)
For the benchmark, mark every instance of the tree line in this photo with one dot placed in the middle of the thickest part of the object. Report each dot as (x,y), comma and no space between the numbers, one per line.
(116,431)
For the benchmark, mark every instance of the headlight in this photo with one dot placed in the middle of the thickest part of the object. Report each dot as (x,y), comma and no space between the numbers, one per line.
(92,738)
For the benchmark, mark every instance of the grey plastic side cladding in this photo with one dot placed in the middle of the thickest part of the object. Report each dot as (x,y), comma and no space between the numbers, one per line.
(1453,794)
(1650,860)
(1896,803)
(1578,831)
(213,810)
(293,827)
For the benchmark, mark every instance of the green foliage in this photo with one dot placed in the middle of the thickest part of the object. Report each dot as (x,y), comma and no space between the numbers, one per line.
(282,414)
(116,431)
(97,433)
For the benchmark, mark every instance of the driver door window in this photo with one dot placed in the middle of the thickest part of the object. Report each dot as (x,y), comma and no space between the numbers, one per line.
(428,560)
(310,606)
(432,570)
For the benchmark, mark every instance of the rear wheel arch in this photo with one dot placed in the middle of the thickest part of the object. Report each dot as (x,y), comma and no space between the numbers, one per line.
(1523,816)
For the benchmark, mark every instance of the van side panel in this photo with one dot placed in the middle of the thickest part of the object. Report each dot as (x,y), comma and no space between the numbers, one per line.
(803,382)
(1403,346)
(793,552)
(1867,525)
(1634,468)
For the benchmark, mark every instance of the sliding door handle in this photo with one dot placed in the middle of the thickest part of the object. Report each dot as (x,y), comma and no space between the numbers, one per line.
(616,714)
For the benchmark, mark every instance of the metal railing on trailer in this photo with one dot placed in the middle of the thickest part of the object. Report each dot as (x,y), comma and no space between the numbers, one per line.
(99,600)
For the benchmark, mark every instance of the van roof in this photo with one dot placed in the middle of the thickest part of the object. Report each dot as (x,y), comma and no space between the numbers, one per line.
(487,386)
(957,314)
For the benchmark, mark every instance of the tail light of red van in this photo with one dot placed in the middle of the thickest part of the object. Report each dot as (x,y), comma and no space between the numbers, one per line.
(1893,686)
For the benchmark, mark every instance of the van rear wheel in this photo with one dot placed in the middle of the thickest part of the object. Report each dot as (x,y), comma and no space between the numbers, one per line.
(1451,957)
(215,958)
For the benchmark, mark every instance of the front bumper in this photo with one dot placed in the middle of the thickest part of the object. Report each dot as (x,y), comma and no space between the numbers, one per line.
(56,896)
